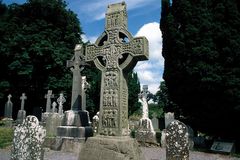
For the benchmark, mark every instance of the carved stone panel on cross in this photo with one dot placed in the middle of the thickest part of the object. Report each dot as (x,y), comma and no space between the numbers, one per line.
(115,53)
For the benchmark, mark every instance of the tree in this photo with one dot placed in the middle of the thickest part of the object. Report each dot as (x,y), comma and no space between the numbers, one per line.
(37,38)
(201,44)
(133,91)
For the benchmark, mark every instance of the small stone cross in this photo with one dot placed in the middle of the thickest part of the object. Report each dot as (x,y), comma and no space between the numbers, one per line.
(115,53)
(23,98)
(9,97)
(76,64)
(48,96)
(60,101)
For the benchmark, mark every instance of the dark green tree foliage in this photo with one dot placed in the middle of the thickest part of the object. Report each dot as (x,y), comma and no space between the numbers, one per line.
(36,40)
(133,91)
(201,47)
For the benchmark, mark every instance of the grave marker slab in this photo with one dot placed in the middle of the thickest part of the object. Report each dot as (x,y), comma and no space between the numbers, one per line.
(224,147)
(177,146)
(28,139)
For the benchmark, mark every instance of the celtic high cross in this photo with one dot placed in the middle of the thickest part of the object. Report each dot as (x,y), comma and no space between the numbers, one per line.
(115,53)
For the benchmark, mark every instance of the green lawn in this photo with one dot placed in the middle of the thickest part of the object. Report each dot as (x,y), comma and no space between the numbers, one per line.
(6,137)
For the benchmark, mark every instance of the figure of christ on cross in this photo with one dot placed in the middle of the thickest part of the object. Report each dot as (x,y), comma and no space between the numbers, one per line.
(115,53)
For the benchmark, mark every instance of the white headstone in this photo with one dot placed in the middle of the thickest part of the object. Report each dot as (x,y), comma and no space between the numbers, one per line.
(60,101)
(28,140)
(169,117)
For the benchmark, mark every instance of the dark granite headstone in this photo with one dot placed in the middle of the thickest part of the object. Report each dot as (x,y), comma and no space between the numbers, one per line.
(177,146)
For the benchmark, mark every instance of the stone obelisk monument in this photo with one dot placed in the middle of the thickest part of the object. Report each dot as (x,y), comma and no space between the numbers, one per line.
(114,53)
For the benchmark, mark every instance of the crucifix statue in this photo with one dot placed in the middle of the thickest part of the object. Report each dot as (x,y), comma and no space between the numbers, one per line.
(77,65)
(115,53)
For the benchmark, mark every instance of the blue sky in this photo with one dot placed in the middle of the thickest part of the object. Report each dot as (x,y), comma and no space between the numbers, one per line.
(143,20)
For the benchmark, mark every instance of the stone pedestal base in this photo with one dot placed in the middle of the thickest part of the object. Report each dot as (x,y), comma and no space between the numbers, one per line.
(21,116)
(146,136)
(145,132)
(73,131)
(111,148)
(75,124)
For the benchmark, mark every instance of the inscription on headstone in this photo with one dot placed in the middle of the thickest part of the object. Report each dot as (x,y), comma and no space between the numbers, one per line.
(28,140)
(115,57)
(177,146)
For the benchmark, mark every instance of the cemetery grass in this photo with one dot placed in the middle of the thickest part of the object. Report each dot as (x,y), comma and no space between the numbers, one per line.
(6,137)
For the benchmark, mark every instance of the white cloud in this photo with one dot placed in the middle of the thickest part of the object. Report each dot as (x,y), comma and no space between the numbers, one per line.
(150,72)
(85,38)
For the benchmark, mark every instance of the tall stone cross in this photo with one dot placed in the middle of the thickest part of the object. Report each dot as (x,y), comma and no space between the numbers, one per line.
(115,53)
(77,64)
(8,107)
(23,98)
(49,95)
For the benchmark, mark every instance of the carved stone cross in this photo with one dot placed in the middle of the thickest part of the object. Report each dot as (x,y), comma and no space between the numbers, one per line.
(115,53)
(23,98)
(49,96)
(9,97)
(61,99)
(77,64)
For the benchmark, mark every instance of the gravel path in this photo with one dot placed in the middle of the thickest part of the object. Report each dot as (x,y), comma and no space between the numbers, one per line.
(149,153)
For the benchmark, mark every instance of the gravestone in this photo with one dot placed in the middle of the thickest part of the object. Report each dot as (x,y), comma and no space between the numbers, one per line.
(48,96)
(61,99)
(155,122)
(8,108)
(75,122)
(22,113)
(177,146)
(223,147)
(145,132)
(169,117)
(28,140)
(114,53)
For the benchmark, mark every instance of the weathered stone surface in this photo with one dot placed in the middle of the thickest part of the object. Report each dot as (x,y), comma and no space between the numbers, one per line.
(28,139)
(110,148)
(114,53)
(75,124)
(177,146)
(52,122)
